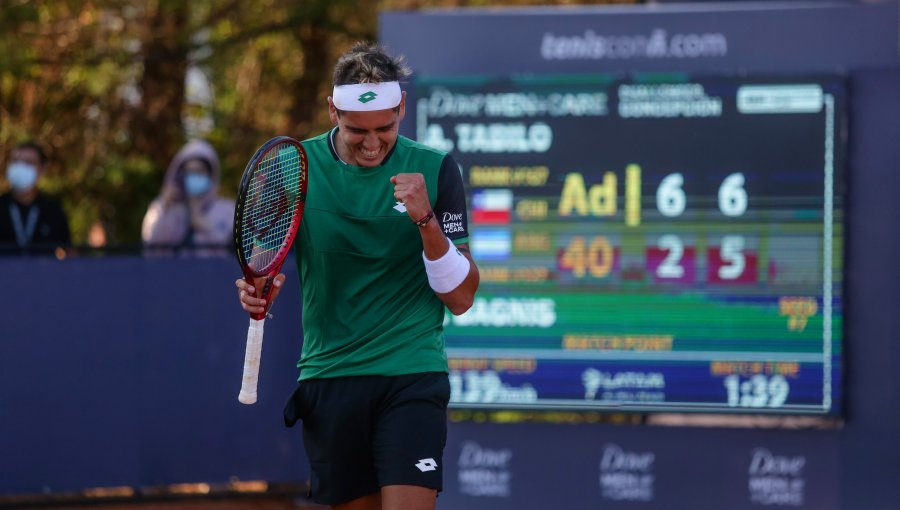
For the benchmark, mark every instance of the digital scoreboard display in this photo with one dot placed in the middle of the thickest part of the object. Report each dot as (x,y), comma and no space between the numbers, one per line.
(656,243)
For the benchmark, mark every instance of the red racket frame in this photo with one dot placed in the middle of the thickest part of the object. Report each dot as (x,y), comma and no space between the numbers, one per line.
(272,269)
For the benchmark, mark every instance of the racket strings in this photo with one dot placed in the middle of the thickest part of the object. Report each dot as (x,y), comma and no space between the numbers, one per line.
(272,196)
(271,190)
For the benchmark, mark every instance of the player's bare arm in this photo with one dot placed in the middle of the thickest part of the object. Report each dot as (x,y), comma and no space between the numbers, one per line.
(410,189)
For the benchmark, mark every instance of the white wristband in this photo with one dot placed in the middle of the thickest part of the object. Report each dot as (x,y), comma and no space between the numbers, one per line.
(447,272)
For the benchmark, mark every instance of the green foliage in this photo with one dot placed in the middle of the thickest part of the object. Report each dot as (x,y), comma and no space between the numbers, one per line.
(102,85)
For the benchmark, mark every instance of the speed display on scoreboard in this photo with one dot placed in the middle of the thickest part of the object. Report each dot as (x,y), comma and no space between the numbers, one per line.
(657,243)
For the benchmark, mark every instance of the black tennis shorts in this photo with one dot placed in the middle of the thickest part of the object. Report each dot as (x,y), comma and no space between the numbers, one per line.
(362,433)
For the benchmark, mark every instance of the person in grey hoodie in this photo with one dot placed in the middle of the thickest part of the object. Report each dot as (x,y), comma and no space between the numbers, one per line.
(189,213)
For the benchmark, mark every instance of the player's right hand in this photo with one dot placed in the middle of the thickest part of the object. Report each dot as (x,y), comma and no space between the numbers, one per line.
(249,294)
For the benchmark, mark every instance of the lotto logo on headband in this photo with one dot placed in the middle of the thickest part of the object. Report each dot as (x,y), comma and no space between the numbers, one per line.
(363,97)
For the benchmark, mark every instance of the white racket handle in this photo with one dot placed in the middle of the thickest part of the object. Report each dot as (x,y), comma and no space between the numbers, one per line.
(251,362)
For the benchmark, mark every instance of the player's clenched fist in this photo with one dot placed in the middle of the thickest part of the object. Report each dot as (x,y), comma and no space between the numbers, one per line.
(410,189)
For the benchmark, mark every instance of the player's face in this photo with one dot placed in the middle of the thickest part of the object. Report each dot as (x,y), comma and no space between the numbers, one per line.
(365,138)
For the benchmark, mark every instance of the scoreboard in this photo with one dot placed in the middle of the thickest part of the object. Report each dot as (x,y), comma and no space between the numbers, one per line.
(650,243)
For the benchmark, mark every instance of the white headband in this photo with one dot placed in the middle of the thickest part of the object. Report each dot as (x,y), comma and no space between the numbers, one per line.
(366,97)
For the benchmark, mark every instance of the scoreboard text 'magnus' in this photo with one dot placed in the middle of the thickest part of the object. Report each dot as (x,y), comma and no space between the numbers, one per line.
(651,244)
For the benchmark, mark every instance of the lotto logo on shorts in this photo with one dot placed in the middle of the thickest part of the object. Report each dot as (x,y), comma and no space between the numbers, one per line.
(426,465)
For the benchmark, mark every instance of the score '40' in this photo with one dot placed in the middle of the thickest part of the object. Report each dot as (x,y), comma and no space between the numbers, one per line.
(671,199)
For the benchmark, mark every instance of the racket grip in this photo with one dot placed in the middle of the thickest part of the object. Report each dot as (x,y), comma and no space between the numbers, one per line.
(251,362)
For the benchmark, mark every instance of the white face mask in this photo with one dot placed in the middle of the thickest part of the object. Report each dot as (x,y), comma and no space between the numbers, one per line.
(21,176)
(196,184)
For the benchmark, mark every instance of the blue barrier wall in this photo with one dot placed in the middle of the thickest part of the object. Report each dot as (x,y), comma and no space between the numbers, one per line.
(621,467)
(125,372)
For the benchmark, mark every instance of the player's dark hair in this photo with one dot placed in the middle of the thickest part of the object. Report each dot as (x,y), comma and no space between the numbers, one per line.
(31,144)
(369,63)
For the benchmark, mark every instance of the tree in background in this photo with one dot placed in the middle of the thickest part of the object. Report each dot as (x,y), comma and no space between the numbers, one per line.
(113,88)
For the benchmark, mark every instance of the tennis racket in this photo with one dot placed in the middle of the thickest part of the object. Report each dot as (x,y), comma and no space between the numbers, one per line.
(266,218)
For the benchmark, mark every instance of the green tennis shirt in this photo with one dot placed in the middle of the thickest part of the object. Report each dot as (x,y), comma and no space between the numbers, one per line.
(367,305)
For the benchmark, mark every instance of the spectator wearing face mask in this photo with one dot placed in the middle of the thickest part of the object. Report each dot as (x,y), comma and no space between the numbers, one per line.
(30,221)
(188,213)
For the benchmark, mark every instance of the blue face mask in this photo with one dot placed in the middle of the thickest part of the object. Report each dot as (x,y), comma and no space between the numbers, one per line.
(21,176)
(196,184)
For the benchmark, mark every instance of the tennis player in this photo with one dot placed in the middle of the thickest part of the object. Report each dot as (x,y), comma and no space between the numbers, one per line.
(382,251)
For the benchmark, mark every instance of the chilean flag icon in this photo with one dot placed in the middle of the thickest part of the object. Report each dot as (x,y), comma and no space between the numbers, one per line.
(492,206)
